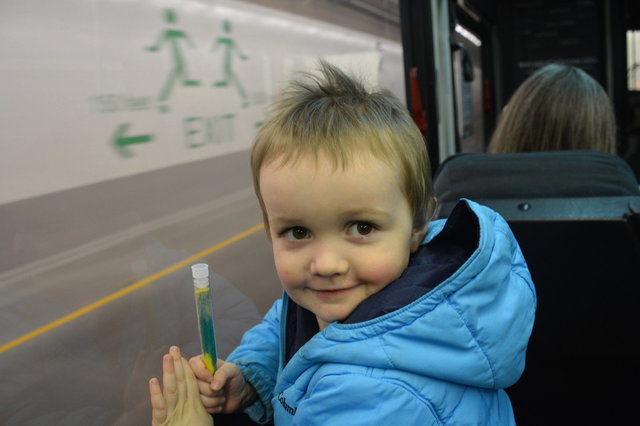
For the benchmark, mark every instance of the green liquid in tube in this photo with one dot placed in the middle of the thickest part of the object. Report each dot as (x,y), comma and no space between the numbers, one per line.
(204,309)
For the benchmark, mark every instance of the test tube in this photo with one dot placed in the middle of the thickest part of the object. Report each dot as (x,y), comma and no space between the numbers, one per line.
(204,309)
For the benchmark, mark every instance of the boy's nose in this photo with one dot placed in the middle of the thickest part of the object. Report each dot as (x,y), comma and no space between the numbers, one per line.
(327,262)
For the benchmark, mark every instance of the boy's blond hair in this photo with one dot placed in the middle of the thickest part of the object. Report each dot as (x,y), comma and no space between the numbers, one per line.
(334,115)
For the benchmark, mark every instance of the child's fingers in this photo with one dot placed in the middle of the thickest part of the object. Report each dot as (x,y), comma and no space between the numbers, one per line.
(197,365)
(205,389)
(190,379)
(158,407)
(169,384)
(212,400)
(179,372)
(213,404)
(224,372)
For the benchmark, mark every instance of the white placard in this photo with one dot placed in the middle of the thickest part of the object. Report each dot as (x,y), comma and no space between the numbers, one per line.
(96,90)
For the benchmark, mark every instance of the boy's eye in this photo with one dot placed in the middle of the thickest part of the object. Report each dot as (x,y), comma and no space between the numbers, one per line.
(297,233)
(361,228)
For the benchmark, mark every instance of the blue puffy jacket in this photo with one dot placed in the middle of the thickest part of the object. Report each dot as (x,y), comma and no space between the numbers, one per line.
(435,347)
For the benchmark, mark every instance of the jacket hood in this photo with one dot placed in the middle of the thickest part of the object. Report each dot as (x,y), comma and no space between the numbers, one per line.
(466,320)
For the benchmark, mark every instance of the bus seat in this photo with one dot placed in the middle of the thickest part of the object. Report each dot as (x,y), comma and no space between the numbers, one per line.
(581,365)
(553,174)
(583,251)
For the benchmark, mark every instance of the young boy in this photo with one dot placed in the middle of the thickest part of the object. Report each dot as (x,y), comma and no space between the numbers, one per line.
(385,317)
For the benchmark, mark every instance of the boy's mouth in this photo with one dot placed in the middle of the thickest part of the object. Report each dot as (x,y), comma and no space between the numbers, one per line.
(328,293)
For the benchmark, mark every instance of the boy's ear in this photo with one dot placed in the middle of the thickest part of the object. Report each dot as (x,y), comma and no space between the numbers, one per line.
(417,237)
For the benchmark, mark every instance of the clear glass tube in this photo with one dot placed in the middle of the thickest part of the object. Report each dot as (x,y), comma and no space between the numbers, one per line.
(204,309)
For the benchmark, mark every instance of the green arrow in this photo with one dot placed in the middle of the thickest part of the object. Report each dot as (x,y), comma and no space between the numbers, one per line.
(120,141)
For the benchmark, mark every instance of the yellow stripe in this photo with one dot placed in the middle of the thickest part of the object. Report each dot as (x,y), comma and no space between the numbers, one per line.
(123,292)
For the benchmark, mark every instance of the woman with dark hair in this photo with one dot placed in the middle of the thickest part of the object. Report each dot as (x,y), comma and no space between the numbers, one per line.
(559,107)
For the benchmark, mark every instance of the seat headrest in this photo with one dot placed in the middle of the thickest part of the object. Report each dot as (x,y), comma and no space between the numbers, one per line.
(536,174)
(533,175)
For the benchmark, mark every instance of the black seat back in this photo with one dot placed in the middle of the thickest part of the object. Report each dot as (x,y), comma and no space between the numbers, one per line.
(582,366)
(580,235)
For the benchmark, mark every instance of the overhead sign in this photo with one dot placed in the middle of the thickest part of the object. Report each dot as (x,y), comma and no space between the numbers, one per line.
(98,90)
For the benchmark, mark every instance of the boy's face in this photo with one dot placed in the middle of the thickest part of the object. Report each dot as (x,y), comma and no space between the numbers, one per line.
(338,236)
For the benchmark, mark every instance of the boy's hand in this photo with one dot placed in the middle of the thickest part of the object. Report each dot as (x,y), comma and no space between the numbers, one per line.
(177,402)
(226,391)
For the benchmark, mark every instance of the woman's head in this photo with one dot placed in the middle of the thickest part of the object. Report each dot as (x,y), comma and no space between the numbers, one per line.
(559,107)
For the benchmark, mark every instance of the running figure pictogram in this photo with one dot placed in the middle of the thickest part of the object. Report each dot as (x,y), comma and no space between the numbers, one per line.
(172,38)
(229,76)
